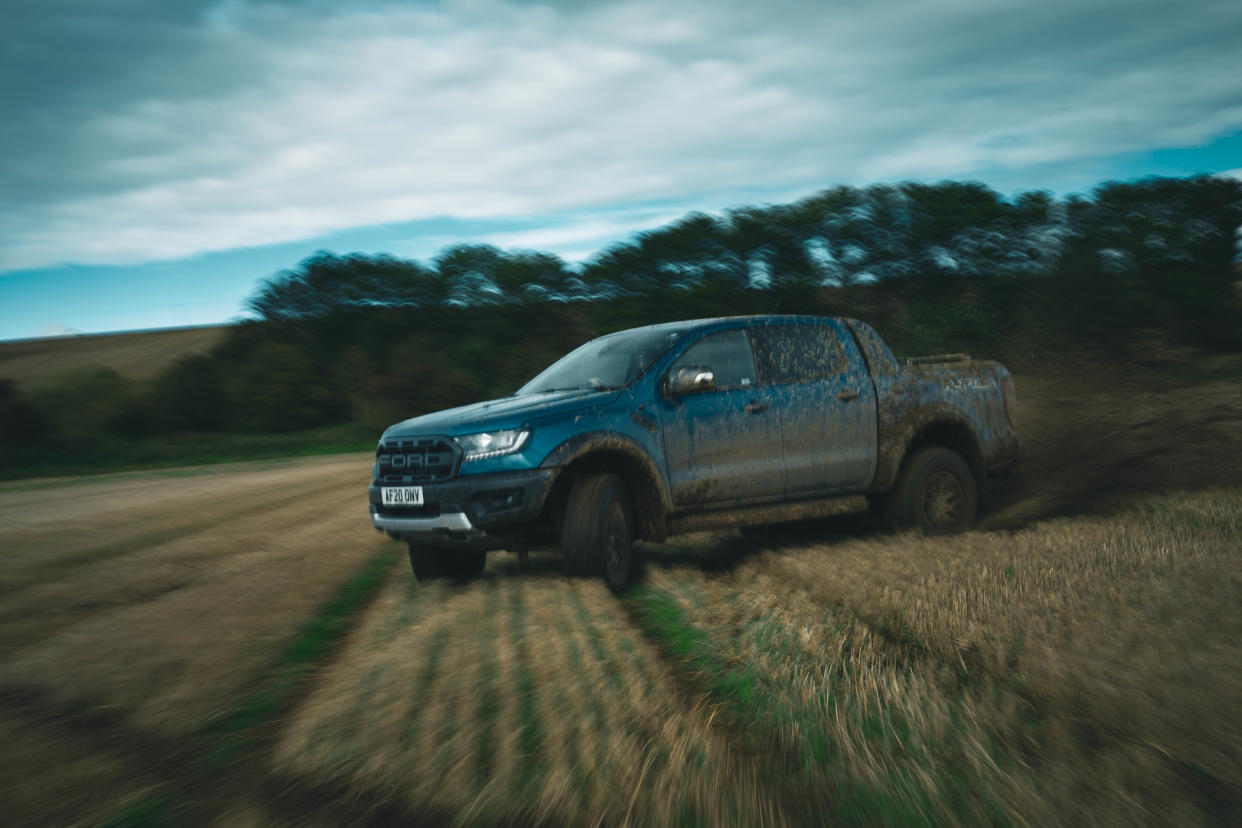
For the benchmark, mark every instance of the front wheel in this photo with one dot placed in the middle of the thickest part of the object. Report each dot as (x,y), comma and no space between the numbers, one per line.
(429,563)
(598,534)
(936,493)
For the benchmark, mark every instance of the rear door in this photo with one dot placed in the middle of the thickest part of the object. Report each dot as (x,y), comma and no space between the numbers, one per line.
(723,446)
(820,385)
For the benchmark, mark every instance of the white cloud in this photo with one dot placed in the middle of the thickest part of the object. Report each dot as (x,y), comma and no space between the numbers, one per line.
(272,123)
(578,239)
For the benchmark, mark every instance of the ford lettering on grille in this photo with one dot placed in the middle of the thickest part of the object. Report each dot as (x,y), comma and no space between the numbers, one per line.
(415,460)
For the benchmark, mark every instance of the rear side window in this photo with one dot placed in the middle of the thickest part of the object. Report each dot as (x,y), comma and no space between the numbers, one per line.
(799,353)
(729,356)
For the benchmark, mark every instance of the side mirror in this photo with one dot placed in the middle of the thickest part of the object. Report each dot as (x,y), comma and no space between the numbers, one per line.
(690,379)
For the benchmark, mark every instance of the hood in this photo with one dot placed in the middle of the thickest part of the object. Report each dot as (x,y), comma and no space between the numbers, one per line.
(506,412)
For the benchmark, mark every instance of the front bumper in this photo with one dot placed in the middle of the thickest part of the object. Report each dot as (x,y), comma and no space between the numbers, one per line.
(462,511)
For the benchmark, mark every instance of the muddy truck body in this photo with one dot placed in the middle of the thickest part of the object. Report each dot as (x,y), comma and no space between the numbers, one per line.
(687,426)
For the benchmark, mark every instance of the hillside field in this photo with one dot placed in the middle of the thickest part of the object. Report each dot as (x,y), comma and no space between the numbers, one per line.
(138,355)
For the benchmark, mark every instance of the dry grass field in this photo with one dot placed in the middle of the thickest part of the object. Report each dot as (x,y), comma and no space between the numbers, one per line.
(1085,670)
(140,355)
(233,645)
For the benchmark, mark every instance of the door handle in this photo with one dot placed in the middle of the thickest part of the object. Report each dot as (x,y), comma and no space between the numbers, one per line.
(755,406)
(847,395)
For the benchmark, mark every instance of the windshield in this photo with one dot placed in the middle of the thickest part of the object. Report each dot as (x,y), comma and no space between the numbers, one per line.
(612,361)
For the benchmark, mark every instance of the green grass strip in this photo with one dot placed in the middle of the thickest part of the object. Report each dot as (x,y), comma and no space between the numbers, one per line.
(488,713)
(530,737)
(663,622)
(152,811)
(426,682)
(755,712)
(236,731)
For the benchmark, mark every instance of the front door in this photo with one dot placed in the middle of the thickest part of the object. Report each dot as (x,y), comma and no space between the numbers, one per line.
(723,446)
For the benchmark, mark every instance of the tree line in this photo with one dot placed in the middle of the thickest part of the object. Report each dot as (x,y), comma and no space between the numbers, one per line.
(836,238)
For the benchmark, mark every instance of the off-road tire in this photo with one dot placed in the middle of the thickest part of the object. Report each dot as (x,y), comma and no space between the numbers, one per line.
(467,565)
(597,537)
(936,493)
(427,563)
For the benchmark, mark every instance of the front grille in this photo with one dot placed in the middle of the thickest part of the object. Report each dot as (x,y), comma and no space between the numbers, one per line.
(416,460)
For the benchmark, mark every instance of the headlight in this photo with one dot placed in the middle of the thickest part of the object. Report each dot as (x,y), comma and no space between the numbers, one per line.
(492,443)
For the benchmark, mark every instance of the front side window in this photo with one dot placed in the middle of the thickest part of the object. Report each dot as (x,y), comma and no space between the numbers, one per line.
(799,353)
(729,356)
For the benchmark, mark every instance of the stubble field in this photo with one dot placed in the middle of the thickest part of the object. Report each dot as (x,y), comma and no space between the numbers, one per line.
(234,645)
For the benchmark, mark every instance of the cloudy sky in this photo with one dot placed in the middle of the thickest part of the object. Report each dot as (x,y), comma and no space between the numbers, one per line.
(159,157)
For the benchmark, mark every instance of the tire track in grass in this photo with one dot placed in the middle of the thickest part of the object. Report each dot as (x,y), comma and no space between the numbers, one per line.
(530,733)
(156,660)
(665,738)
(607,731)
(763,722)
(113,513)
(497,791)
(195,780)
(460,733)
(439,730)
(587,712)
(291,677)
(42,610)
(625,747)
(433,660)
(646,733)
(676,741)
(640,690)
(697,664)
(488,712)
(342,748)
(562,793)
(61,566)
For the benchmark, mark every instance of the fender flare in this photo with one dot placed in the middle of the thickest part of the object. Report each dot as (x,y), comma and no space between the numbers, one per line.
(895,443)
(581,445)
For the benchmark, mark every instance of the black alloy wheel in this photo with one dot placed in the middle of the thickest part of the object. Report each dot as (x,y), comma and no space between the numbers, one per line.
(936,493)
(597,537)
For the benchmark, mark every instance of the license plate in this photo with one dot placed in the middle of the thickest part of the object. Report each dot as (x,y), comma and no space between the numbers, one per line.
(402,496)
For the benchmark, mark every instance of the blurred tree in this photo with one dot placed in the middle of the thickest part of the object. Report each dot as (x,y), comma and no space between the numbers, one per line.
(22,424)
(469,274)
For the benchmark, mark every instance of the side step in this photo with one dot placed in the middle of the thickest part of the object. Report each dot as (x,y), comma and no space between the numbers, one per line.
(765,513)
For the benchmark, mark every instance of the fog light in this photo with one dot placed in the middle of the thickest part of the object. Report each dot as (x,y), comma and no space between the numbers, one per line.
(498,500)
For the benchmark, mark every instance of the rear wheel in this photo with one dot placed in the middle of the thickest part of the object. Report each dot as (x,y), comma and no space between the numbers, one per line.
(936,493)
(598,534)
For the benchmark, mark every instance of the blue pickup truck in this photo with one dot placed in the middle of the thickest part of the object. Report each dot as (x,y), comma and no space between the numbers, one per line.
(703,424)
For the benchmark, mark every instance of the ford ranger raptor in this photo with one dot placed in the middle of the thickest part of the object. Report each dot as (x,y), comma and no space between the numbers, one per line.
(687,426)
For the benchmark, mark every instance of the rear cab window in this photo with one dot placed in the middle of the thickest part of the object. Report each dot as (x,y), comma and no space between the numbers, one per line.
(799,353)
